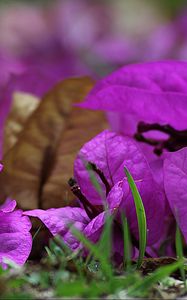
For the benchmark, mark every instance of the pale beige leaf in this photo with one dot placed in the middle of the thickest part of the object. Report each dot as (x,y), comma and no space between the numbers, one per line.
(23,105)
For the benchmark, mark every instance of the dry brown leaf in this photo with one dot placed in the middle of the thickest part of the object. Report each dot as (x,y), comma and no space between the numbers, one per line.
(27,165)
(82,126)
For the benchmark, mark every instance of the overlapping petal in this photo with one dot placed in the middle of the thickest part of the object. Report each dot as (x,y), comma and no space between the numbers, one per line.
(15,238)
(59,220)
(8,206)
(94,228)
(151,92)
(175,183)
(110,152)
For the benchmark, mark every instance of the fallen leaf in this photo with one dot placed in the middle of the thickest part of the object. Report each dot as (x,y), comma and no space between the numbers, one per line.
(29,163)
(83,125)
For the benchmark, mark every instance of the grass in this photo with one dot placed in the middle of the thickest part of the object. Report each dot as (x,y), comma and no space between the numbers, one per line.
(66,274)
(127,244)
(63,273)
(141,217)
(179,252)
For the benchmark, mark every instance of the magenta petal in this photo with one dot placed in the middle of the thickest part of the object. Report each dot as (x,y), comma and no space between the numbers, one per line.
(15,238)
(58,220)
(111,153)
(117,193)
(94,229)
(175,182)
(8,206)
(144,92)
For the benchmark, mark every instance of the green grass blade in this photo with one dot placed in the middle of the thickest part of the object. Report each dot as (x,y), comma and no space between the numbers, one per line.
(105,242)
(127,243)
(141,217)
(95,251)
(142,287)
(36,233)
(69,255)
(179,252)
(49,253)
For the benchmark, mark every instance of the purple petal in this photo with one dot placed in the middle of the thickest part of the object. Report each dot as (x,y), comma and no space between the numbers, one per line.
(58,221)
(94,229)
(8,206)
(15,238)
(175,182)
(117,193)
(110,152)
(151,92)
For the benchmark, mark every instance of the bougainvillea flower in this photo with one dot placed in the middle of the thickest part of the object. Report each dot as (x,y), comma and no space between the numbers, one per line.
(15,238)
(91,224)
(106,155)
(110,152)
(153,93)
(175,183)
(57,221)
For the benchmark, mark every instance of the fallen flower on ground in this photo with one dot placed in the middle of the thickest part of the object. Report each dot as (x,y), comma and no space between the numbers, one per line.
(107,154)
(58,221)
(111,152)
(15,238)
(148,103)
(153,93)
